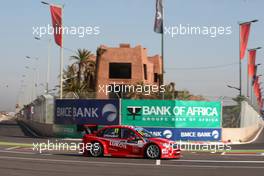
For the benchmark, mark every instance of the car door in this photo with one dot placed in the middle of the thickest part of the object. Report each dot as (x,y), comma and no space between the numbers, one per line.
(134,143)
(115,144)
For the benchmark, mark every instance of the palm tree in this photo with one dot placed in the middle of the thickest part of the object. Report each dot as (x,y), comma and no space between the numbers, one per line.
(80,76)
(89,76)
(70,85)
(82,57)
(170,91)
(184,95)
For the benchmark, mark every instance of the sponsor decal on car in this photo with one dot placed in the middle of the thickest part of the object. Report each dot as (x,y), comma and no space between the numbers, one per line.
(120,144)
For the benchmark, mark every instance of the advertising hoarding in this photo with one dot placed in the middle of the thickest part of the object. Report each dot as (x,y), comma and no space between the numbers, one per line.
(188,134)
(97,112)
(170,113)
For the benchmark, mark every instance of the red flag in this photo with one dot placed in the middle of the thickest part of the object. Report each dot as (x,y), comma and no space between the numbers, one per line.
(56,17)
(257,88)
(244,33)
(251,62)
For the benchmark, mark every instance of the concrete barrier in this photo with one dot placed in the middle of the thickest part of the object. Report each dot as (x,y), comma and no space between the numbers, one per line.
(39,115)
(240,134)
(40,129)
(250,124)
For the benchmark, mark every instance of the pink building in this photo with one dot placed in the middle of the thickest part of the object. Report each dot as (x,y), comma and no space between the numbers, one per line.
(126,66)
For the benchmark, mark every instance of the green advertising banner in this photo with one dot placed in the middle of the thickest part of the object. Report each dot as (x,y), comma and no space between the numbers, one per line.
(170,113)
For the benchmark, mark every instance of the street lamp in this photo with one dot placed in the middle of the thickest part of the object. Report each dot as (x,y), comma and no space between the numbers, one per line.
(36,71)
(240,67)
(232,87)
(48,64)
(36,58)
(34,84)
(43,2)
(257,48)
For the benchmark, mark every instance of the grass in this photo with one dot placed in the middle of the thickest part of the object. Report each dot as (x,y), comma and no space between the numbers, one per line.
(11,144)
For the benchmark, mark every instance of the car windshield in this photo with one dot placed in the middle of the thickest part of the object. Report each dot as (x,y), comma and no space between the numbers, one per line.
(144,133)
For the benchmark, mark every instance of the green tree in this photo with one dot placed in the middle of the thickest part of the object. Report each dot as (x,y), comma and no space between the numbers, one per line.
(70,83)
(170,91)
(82,58)
(80,76)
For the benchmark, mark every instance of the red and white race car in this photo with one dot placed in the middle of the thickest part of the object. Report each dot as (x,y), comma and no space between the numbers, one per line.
(128,141)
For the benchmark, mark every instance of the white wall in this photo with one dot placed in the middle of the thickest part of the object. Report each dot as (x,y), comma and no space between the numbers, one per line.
(248,115)
(250,125)
(43,111)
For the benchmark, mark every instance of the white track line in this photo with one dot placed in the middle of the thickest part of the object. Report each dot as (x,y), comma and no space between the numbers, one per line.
(219,161)
(231,154)
(11,148)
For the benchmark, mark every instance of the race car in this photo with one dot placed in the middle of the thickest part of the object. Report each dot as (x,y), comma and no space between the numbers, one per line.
(128,141)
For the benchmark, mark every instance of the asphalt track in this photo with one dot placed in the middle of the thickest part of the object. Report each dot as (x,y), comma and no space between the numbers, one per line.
(24,161)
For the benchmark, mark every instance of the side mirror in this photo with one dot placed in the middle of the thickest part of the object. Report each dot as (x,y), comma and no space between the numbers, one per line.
(133,140)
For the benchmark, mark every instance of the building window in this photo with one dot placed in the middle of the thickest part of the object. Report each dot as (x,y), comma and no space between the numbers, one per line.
(145,72)
(120,70)
(156,77)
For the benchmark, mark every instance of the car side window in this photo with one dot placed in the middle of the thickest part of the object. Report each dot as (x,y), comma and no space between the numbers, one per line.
(100,133)
(111,133)
(127,133)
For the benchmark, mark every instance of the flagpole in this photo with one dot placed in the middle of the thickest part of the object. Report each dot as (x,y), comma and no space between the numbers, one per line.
(48,68)
(162,56)
(61,56)
(61,72)
(162,50)
(248,79)
(240,69)
(252,94)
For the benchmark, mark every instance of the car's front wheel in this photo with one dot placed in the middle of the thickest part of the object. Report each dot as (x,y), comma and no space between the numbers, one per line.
(96,149)
(152,151)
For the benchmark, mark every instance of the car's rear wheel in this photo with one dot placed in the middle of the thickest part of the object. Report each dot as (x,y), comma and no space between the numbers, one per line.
(96,150)
(152,151)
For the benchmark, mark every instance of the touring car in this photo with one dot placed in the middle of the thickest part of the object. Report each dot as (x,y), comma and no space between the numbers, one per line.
(129,141)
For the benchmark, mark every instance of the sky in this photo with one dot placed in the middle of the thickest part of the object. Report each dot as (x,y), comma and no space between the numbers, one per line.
(201,64)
